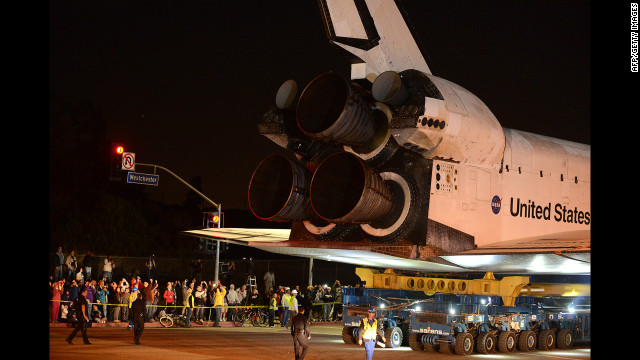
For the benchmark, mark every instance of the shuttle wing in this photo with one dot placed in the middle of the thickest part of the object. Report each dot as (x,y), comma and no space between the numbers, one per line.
(566,242)
(566,253)
(375,32)
(563,253)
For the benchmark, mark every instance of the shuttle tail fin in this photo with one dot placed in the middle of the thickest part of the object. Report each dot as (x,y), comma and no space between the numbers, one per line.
(376,33)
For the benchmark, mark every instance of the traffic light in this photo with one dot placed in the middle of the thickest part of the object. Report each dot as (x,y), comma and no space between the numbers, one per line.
(213,219)
(115,167)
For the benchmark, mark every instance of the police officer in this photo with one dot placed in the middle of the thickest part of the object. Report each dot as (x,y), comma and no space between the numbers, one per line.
(368,331)
(138,310)
(300,333)
(79,306)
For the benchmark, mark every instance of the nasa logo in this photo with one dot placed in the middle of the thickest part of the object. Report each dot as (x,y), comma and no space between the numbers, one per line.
(496,204)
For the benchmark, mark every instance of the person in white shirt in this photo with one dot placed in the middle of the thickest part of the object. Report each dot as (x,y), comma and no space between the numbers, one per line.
(107,268)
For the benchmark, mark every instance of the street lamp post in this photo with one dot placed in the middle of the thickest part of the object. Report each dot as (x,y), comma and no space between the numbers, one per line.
(219,206)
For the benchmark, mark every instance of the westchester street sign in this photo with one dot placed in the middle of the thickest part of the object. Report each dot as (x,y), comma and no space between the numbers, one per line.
(145,179)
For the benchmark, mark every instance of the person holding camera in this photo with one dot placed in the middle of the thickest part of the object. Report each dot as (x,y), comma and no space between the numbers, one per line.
(149,293)
(71,264)
(107,268)
(218,303)
(200,301)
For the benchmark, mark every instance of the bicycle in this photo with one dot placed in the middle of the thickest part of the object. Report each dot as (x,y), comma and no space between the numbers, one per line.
(169,320)
(256,316)
(259,317)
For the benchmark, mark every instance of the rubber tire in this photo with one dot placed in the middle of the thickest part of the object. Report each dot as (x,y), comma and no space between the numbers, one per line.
(414,343)
(181,320)
(393,337)
(546,339)
(527,341)
(486,343)
(239,318)
(507,342)
(166,321)
(347,335)
(464,344)
(564,340)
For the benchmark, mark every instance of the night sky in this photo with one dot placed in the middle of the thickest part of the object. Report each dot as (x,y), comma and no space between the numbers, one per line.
(183,83)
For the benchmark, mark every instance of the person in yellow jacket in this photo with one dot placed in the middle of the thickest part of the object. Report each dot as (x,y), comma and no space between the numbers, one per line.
(273,306)
(190,305)
(218,303)
(369,328)
(286,300)
(133,296)
(293,307)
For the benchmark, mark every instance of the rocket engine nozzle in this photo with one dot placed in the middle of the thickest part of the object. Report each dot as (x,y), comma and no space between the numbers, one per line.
(279,190)
(330,109)
(344,189)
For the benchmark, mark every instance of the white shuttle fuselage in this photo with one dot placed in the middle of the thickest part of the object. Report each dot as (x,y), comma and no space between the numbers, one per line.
(397,167)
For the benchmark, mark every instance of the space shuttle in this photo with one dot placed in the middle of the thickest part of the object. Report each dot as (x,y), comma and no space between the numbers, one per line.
(399,168)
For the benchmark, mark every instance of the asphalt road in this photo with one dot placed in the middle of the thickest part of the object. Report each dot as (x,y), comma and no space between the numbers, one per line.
(246,343)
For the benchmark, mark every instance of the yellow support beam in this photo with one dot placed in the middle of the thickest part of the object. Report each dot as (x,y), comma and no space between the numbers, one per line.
(509,287)
(556,289)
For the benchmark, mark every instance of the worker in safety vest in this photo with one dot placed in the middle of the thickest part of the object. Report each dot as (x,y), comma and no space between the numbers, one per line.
(273,306)
(293,307)
(286,300)
(368,331)
(190,305)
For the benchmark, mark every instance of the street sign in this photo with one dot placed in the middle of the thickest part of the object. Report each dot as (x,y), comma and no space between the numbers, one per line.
(145,179)
(129,161)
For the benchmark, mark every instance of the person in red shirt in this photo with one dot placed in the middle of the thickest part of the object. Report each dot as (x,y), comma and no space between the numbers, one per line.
(169,298)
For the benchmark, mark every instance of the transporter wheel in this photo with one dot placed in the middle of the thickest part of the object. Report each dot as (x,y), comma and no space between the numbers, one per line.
(347,335)
(565,339)
(527,341)
(546,339)
(405,334)
(507,342)
(486,343)
(464,344)
(414,342)
(393,337)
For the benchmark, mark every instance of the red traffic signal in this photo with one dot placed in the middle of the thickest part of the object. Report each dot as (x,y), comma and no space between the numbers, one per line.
(115,166)
(213,219)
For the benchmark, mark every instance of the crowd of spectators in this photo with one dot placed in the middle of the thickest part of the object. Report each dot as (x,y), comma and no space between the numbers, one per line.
(110,299)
